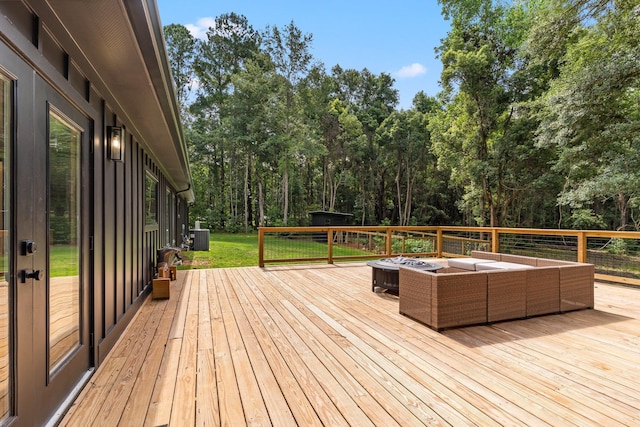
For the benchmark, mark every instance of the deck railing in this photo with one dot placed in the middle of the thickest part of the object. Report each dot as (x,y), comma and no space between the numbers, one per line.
(615,254)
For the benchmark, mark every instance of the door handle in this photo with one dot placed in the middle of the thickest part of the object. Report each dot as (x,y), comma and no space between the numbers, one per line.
(30,274)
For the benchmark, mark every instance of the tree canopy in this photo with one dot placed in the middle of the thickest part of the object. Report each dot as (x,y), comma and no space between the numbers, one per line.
(537,123)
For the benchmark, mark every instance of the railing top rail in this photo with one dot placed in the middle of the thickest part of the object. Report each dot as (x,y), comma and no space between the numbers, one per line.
(346,228)
(505,230)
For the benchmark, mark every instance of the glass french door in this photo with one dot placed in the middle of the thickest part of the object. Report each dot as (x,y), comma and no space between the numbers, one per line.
(45,211)
(6,347)
(61,344)
(52,212)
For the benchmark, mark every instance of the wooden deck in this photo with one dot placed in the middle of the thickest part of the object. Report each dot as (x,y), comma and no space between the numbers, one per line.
(312,345)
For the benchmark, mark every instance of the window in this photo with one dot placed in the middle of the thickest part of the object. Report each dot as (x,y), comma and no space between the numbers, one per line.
(151,200)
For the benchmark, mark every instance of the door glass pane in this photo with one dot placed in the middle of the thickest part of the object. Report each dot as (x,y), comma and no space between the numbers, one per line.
(5,144)
(64,234)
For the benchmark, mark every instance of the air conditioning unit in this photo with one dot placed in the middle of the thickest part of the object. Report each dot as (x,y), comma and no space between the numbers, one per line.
(200,239)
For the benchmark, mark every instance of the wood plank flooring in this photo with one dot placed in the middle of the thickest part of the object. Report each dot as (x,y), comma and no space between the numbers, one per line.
(312,345)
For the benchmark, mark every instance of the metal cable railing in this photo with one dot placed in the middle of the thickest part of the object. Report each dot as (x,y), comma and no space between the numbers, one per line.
(615,254)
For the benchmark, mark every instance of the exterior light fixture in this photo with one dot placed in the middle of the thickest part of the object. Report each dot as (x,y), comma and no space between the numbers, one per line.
(115,139)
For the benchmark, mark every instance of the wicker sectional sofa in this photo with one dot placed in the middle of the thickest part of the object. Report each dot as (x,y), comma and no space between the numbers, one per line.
(491,287)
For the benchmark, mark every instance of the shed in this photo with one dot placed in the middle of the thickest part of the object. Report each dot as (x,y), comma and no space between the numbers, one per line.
(326,218)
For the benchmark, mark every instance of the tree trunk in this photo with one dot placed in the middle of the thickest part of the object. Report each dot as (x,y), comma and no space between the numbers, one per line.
(380,207)
(623,207)
(222,188)
(335,184)
(325,177)
(250,213)
(246,196)
(486,202)
(399,197)
(261,204)
(331,186)
(409,197)
(285,191)
(364,202)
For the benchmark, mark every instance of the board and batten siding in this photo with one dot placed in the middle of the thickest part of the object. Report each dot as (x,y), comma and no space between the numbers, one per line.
(122,246)
(125,259)
(98,64)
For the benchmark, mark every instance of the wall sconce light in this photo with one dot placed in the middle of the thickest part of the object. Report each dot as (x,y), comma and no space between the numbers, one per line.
(115,140)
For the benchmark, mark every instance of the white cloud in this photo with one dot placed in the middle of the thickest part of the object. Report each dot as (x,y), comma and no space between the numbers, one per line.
(412,70)
(200,28)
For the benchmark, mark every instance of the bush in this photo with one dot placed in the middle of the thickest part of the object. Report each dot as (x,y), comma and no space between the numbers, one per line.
(617,246)
(413,246)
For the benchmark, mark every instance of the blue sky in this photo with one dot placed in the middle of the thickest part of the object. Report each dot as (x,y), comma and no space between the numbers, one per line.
(392,36)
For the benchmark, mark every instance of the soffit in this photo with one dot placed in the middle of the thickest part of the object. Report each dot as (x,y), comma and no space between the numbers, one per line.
(119,44)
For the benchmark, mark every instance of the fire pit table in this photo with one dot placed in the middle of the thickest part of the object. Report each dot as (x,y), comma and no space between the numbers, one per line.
(385,272)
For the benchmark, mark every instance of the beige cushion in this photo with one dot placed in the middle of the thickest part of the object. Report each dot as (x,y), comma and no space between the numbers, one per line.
(466,263)
(501,265)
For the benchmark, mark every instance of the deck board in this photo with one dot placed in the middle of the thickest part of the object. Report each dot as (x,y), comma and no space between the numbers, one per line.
(272,343)
(312,345)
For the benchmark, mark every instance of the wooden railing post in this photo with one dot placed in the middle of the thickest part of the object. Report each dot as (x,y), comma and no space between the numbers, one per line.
(388,242)
(261,247)
(330,246)
(495,240)
(582,247)
(439,243)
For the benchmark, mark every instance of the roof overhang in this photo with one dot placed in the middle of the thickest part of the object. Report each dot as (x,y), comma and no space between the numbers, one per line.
(120,45)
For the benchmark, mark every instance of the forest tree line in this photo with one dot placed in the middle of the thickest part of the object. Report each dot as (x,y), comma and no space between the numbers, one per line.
(537,123)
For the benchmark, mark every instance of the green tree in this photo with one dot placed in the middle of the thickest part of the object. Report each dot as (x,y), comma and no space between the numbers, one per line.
(256,89)
(371,98)
(537,123)
(405,139)
(230,42)
(200,135)
(482,79)
(289,50)
(344,143)
(592,110)
(316,93)
(181,49)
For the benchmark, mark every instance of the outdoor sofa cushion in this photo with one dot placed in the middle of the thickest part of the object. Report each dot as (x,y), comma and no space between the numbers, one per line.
(466,263)
(501,265)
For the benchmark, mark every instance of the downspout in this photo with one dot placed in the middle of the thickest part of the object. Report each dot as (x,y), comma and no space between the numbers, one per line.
(188,204)
(186,189)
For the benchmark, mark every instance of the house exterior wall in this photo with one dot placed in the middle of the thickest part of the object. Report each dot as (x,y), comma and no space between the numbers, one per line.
(124,246)
(120,239)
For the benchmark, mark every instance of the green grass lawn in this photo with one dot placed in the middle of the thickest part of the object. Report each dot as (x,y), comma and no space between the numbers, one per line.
(241,250)
(63,261)
(225,250)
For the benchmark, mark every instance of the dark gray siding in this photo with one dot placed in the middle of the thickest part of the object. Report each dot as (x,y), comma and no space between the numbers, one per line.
(123,252)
